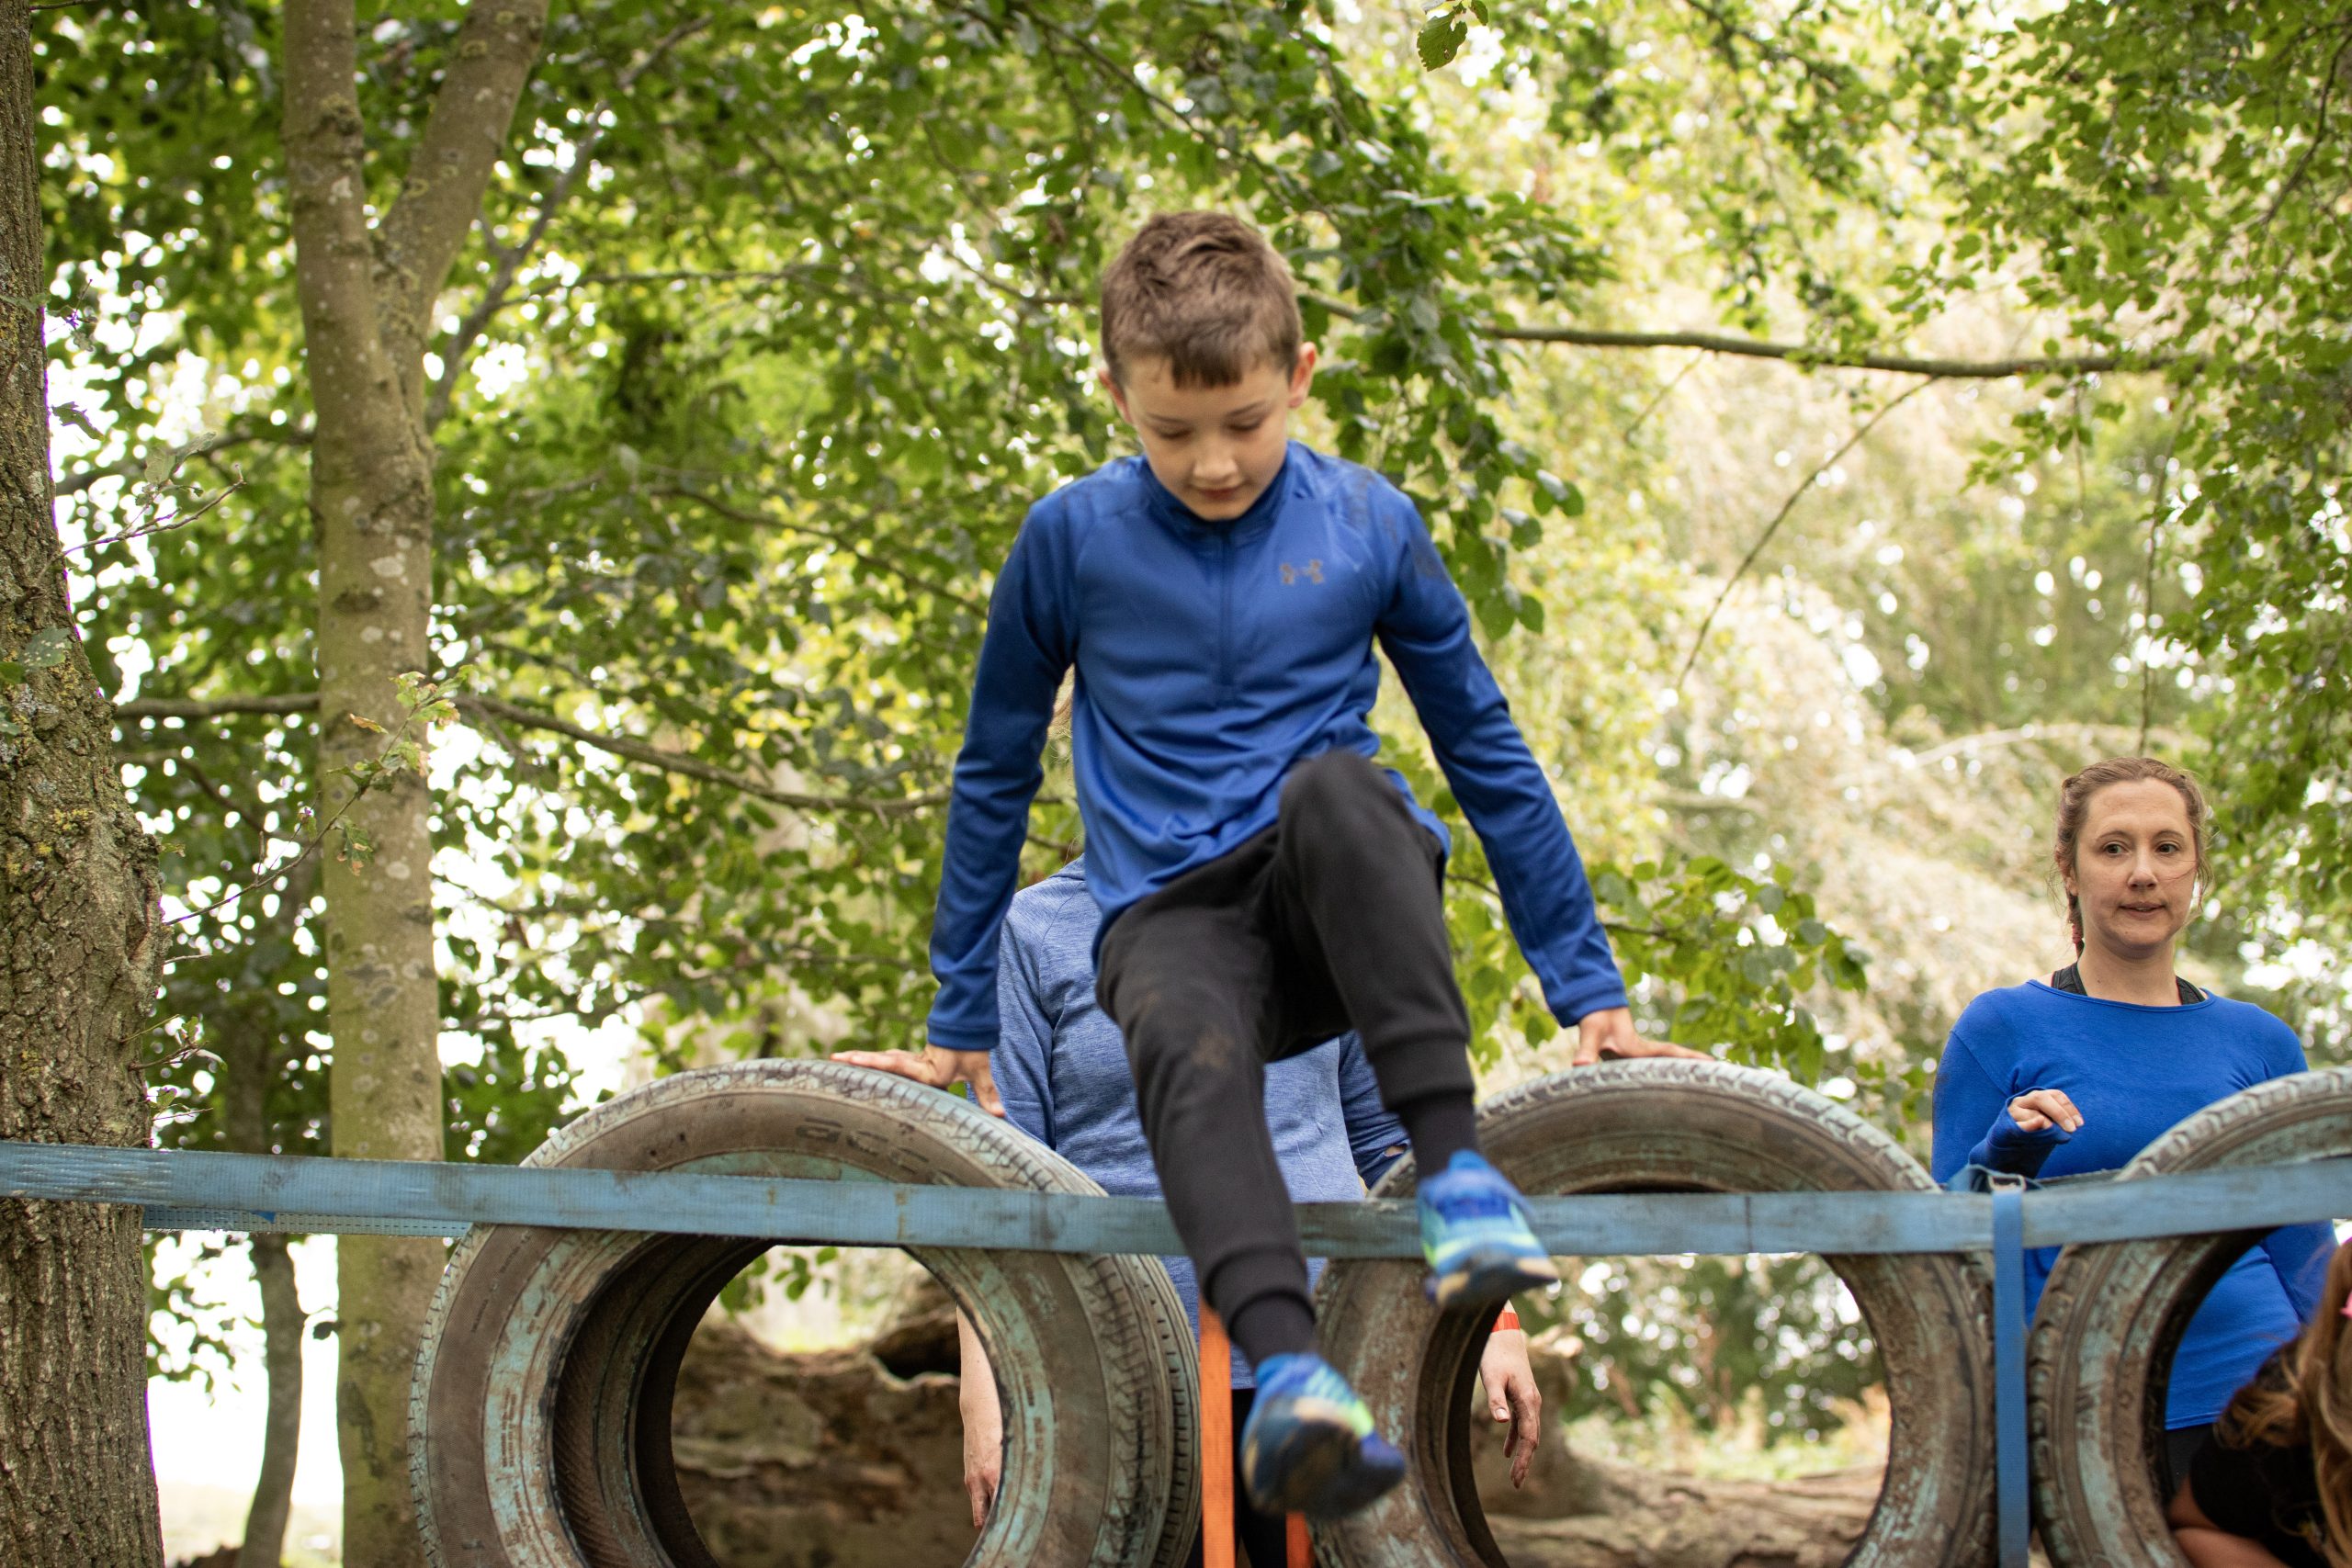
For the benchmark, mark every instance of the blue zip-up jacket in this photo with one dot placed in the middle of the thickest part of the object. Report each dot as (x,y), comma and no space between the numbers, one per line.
(1213,658)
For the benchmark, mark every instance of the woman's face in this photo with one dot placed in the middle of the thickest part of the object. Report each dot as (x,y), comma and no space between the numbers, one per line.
(2135,868)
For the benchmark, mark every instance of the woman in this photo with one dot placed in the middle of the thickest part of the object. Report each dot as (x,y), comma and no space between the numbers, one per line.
(2082,1071)
(2272,1488)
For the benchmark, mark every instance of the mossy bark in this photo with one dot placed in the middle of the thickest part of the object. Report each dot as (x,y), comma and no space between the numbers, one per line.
(79,952)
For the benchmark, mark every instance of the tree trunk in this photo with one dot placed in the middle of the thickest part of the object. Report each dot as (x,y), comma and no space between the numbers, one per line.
(366,298)
(250,1061)
(263,1544)
(79,945)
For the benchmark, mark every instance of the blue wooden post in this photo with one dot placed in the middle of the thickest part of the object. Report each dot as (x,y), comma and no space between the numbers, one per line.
(2012,1478)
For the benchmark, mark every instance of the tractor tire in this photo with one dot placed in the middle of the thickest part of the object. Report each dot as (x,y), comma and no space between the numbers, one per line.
(1665,1126)
(2111,1318)
(540,1413)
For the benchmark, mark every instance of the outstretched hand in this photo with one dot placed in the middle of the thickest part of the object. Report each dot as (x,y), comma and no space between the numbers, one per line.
(1609,1033)
(936,1066)
(983,1419)
(1512,1396)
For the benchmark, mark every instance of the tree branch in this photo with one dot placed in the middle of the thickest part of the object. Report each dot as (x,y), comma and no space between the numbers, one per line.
(1966,744)
(1798,354)
(171,525)
(148,709)
(1781,516)
(1809,357)
(679,275)
(417,242)
(695,768)
(510,262)
(2148,584)
(302,856)
(133,467)
(923,580)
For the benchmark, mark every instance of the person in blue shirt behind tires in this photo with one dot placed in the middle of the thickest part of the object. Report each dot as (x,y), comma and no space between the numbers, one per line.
(2081,1071)
(1061,1067)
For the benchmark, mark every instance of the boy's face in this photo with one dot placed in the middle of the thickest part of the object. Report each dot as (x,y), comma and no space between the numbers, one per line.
(1215,448)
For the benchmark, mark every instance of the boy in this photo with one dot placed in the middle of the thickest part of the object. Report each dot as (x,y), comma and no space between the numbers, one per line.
(1262,885)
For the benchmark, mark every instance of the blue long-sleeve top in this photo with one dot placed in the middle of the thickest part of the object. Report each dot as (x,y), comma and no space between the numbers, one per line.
(1062,1069)
(2133,1072)
(1212,659)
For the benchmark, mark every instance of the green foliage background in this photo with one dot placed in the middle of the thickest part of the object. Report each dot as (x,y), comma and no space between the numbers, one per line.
(753,368)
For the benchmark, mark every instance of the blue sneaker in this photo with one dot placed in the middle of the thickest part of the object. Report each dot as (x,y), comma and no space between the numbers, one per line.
(1477,1238)
(1309,1447)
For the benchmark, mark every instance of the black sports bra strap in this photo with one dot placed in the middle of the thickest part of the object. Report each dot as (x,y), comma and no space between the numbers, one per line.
(2070,979)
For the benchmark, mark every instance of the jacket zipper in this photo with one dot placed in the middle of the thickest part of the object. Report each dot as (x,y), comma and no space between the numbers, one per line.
(1225,617)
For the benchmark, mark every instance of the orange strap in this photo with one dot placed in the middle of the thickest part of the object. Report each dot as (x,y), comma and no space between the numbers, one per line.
(1216,1442)
(1218,1534)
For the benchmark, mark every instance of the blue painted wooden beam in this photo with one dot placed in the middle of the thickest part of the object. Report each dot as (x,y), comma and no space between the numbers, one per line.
(193,1189)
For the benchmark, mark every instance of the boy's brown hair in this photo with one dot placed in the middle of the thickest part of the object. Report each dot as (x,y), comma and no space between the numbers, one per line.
(1204,292)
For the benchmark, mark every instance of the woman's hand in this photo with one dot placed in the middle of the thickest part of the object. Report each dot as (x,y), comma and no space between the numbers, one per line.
(983,1422)
(937,1066)
(1512,1396)
(2044,1108)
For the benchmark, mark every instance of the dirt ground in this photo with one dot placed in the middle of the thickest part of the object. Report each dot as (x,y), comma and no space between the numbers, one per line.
(834,1460)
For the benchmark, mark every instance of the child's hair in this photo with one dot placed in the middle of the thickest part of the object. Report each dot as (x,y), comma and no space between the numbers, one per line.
(2073,806)
(1204,292)
(2311,1403)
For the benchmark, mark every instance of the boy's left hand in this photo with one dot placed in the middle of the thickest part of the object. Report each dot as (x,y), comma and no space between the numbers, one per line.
(1512,1396)
(1610,1032)
(938,1066)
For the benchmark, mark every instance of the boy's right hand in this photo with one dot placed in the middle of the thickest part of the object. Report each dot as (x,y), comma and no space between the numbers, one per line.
(937,1066)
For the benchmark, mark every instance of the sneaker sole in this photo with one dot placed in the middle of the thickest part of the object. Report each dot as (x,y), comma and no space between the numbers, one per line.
(1485,1277)
(1320,1476)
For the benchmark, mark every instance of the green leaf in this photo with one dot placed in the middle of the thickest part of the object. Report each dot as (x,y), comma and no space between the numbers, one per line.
(46,649)
(1441,39)
(69,415)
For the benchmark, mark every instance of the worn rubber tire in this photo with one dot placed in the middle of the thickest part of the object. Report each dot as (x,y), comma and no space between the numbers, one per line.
(1655,1126)
(540,1414)
(2112,1314)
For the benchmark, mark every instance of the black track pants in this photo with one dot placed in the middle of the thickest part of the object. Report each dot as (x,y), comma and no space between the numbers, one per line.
(1331,919)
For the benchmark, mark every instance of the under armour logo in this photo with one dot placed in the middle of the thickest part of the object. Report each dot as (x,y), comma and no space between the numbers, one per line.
(1314,573)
